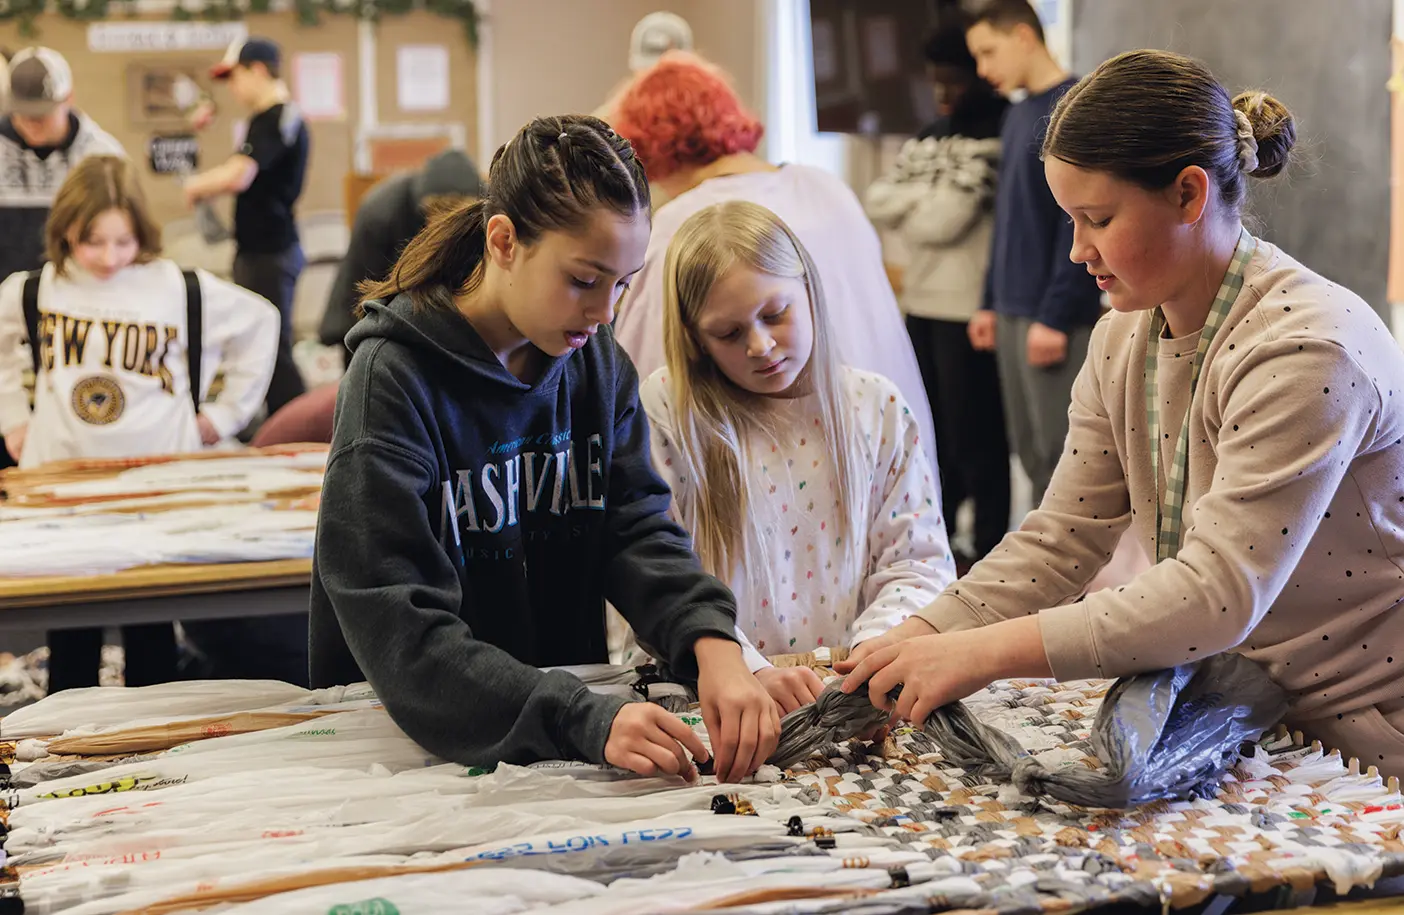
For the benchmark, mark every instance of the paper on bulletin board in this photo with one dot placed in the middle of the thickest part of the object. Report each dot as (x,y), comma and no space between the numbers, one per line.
(318,85)
(422,77)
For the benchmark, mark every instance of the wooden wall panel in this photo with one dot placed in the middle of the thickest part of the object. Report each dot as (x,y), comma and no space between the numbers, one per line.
(101,89)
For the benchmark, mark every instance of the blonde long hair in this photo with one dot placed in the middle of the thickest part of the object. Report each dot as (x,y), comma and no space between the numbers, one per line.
(716,420)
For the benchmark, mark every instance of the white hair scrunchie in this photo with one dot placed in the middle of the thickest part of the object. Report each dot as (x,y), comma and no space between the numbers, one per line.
(1247,143)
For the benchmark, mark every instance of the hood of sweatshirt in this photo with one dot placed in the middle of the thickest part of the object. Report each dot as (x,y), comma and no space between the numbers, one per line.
(445,337)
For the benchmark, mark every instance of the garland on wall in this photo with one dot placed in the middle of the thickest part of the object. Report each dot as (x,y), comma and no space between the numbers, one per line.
(309,12)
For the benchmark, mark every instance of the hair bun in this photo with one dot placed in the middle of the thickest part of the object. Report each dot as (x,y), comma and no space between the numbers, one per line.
(1274,129)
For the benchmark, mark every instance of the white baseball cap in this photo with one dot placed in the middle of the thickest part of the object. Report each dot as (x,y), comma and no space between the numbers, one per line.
(656,34)
(40,81)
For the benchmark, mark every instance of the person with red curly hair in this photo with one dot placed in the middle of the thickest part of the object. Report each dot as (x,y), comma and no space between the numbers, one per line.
(697,142)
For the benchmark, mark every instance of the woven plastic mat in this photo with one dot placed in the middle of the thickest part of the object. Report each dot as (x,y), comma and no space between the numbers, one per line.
(1289,820)
(1289,815)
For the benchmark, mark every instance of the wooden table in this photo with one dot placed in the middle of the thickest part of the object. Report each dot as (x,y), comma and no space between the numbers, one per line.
(156,594)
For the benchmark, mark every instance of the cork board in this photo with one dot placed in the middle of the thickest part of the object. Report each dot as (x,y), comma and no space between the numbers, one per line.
(392,154)
(101,89)
(425,28)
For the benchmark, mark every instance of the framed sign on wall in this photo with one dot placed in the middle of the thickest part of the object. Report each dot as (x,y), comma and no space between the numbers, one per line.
(174,154)
(162,94)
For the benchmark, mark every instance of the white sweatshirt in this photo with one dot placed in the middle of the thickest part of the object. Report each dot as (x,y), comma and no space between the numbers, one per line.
(905,561)
(114,378)
(940,198)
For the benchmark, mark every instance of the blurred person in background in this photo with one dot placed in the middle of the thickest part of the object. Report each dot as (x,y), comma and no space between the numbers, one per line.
(42,136)
(939,198)
(1039,306)
(266,176)
(390,215)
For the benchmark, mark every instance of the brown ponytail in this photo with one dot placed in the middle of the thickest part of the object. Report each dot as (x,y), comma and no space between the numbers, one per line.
(549,177)
(439,261)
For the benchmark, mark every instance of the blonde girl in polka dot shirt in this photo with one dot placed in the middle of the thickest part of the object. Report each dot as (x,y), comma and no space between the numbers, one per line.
(1240,414)
(804,483)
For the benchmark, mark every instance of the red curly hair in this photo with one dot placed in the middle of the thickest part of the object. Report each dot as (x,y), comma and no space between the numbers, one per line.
(681,112)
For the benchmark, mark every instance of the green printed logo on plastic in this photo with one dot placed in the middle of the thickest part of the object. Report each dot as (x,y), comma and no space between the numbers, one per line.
(690,720)
(375,906)
(315,732)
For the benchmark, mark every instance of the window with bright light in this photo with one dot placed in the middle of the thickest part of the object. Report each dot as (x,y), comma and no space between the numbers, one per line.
(789,128)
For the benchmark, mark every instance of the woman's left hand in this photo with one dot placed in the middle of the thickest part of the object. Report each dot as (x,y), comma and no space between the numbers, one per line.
(743,722)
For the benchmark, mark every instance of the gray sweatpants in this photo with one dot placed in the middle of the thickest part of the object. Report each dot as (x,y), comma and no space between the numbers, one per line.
(1036,399)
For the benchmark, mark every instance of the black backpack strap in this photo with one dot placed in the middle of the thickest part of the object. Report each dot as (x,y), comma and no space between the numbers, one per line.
(194,332)
(29,301)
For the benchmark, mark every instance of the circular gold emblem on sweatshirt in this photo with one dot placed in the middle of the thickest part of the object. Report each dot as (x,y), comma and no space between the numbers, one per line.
(98,400)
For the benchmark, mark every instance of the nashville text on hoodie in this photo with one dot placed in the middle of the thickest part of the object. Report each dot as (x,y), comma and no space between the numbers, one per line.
(543,475)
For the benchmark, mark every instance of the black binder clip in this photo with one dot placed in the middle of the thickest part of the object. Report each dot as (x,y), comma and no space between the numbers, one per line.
(648,675)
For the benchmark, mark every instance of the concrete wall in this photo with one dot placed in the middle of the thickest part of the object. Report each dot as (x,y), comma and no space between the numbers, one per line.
(1328,62)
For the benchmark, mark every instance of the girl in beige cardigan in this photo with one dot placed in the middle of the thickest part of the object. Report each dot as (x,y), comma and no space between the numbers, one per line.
(1242,414)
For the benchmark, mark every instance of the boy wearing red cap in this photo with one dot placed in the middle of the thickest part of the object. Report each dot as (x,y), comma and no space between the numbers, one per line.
(266,176)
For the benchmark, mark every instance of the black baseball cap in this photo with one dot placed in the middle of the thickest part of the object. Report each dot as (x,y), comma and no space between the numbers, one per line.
(247,51)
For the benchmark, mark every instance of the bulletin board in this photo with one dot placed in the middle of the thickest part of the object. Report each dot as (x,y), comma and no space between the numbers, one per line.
(424,28)
(103,89)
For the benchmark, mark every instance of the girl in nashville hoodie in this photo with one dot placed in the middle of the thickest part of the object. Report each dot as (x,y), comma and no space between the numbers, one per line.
(490,487)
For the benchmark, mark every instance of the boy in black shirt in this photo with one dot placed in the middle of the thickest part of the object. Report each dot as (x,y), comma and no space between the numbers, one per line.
(266,176)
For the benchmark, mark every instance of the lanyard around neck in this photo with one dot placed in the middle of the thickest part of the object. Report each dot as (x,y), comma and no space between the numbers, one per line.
(1170,510)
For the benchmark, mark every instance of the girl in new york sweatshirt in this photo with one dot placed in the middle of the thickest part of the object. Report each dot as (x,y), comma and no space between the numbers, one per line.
(112,340)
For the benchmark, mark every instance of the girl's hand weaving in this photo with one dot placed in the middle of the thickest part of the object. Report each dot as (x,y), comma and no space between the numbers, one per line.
(791,687)
(909,629)
(742,720)
(650,741)
(936,670)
